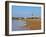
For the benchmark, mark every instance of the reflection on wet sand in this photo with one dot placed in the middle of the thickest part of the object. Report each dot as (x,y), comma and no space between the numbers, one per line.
(26,24)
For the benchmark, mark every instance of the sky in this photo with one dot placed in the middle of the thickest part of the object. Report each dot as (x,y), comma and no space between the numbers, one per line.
(25,11)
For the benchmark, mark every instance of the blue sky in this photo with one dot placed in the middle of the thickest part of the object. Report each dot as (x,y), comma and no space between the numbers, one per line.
(25,11)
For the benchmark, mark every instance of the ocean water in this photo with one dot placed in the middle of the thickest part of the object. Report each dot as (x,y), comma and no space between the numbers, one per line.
(18,25)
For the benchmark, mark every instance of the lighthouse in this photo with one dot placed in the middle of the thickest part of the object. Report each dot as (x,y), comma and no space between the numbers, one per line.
(32,15)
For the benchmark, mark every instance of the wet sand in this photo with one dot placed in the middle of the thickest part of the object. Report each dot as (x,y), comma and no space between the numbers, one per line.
(33,24)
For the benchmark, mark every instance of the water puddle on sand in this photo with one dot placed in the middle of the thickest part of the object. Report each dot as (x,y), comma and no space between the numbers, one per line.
(18,25)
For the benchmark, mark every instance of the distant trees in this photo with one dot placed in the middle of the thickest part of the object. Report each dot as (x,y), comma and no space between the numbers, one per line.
(33,17)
